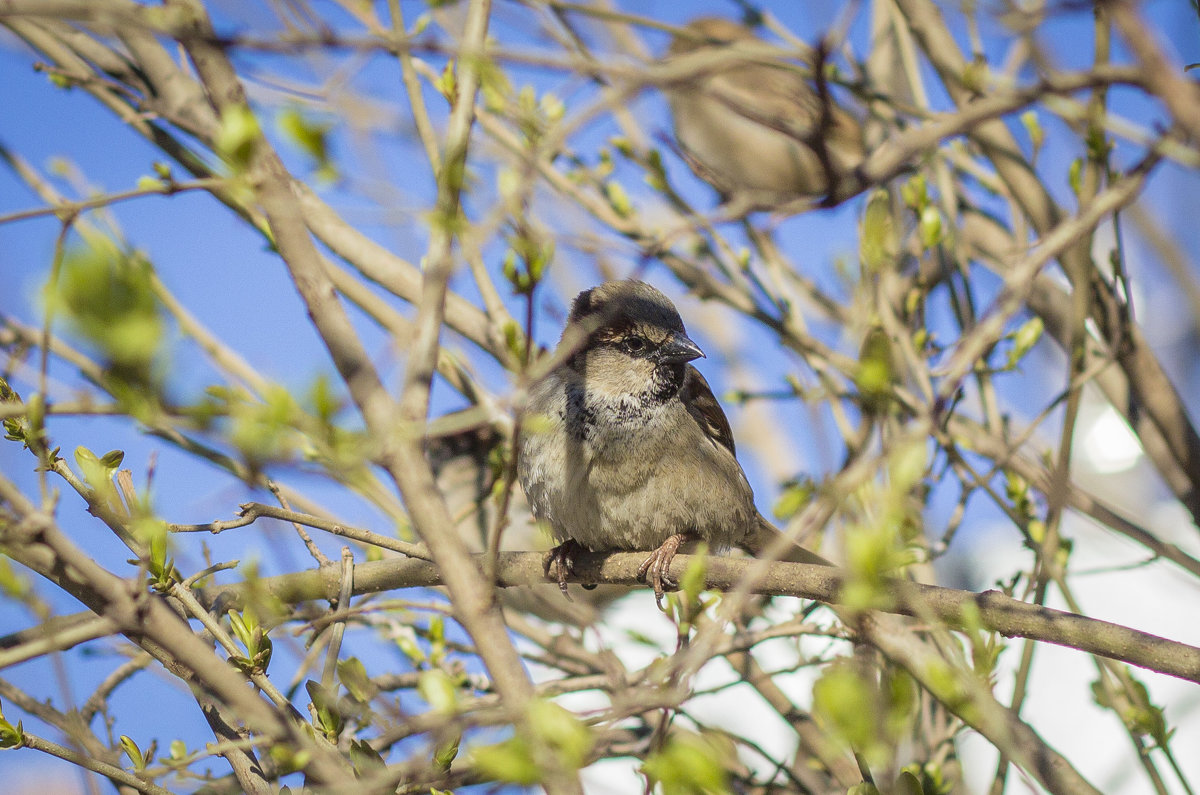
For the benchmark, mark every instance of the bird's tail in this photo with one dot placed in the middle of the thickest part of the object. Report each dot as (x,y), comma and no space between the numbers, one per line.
(765,534)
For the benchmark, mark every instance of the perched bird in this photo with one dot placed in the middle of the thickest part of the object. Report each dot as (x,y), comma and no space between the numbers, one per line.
(754,129)
(627,448)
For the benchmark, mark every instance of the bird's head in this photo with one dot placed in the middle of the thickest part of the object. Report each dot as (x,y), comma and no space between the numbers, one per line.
(708,32)
(630,340)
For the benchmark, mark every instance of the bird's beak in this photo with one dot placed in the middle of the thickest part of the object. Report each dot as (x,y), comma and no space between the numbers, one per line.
(679,349)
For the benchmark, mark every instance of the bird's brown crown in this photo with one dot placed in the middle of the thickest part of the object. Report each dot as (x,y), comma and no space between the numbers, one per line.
(708,32)
(616,309)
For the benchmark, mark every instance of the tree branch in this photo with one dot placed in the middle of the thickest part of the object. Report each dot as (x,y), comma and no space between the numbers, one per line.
(957,609)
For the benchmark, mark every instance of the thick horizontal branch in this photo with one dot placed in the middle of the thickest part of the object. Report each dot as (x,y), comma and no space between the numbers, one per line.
(963,610)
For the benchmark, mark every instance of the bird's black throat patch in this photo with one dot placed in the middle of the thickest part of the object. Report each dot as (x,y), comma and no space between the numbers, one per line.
(583,407)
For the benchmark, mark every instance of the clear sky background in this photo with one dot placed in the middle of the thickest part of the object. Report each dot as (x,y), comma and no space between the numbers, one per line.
(240,291)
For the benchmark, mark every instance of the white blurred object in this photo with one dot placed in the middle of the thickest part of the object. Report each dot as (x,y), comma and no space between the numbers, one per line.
(1106,443)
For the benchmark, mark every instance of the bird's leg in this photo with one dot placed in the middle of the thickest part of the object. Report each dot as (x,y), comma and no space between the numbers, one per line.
(659,563)
(562,560)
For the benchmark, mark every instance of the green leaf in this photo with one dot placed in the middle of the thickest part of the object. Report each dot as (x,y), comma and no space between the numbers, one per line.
(689,764)
(11,583)
(364,758)
(133,752)
(899,695)
(152,531)
(253,636)
(508,182)
(975,74)
(323,399)
(927,778)
(552,108)
(565,734)
(1024,339)
(242,627)
(656,172)
(445,754)
(237,136)
(265,432)
(97,476)
(327,718)
(149,183)
(878,243)
(437,639)
(406,640)
(447,83)
(439,691)
(89,463)
(353,676)
(870,714)
(876,373)
(1135,709)
(311,136)
(915,192)
(618,199)
(1017,490)
(796,495)
(1037,532)
(106,295)
(695,575)
(604,165)
(509,761)
(287,759)
(907,465)
(930,226)
(1098,145)
(1075,176)
(842,701)
(514,339)
(908,784)
(1037,136)
(10,736)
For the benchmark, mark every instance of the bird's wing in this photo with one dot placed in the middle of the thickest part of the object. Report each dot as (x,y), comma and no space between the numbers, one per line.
(702,405)
(775,97)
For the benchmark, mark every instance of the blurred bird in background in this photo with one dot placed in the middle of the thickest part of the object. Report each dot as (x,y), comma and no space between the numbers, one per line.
(753,126)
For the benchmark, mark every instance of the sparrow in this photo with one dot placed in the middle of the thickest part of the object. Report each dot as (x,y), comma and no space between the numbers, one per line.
(759,132)
(625,446)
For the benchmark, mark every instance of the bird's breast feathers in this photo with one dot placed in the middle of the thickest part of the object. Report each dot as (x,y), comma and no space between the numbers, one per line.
(625,474)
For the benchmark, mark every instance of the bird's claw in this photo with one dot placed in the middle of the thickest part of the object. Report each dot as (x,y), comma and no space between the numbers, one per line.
(562,560)
(658,567)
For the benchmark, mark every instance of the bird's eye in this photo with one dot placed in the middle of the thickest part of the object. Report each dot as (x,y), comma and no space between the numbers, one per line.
(634,345)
